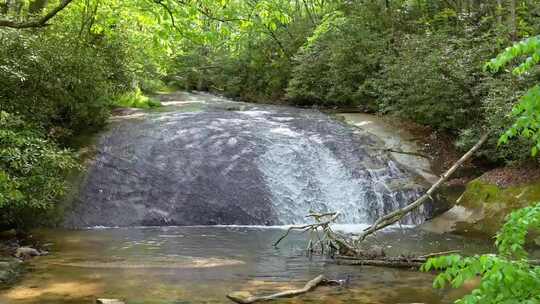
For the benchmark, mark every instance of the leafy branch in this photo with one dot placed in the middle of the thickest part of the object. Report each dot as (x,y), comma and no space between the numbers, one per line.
(506,278)
(41,22)
(527,110)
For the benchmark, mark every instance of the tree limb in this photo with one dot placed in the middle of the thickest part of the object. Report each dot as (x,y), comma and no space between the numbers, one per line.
(315,226)
(247,298)
(397,215)
(42,22)
(169,11)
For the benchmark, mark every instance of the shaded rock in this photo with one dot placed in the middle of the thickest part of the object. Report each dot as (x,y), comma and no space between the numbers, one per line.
(483,207)
(27,253)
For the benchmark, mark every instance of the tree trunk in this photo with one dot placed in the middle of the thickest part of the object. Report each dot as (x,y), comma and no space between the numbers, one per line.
(513,25)
(498,12)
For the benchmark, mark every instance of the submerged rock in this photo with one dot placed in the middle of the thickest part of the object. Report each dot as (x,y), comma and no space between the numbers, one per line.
(484,205)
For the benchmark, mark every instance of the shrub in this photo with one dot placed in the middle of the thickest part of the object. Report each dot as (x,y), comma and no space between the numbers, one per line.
(333,65)
(135,99)
(57,82)
(32,171)
(432,80)
(506,277)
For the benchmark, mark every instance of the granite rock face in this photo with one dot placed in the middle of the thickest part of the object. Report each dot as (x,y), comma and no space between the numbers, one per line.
(261,165)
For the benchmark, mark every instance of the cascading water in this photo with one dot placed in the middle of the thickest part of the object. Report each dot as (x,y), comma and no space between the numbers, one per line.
(265,165)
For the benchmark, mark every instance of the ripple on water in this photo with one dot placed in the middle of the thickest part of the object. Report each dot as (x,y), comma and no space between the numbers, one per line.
(203,264)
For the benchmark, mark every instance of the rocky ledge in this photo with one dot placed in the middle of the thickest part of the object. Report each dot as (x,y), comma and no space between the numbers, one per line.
(487,200)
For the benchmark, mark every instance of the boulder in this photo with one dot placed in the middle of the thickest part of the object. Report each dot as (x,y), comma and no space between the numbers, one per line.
(25,253)
(483,207)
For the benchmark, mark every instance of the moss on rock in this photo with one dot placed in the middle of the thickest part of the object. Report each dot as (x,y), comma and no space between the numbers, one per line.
(492,203)
(483,207)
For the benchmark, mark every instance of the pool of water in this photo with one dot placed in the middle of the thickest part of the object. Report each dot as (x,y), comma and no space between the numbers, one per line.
(204,264)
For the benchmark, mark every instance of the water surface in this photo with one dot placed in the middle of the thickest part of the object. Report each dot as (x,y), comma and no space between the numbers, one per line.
(203,264)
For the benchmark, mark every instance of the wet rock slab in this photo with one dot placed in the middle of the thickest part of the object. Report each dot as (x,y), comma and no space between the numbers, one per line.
(262,165)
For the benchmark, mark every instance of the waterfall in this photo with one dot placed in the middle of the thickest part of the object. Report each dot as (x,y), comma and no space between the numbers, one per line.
(263,165)
(304,175)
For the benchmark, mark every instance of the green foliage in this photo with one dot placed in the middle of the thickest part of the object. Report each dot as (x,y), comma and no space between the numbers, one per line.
(250,55)
(527,111)
(335,62)
(32,171)
(135,99)
(57,84)
(506,277)
(438,90)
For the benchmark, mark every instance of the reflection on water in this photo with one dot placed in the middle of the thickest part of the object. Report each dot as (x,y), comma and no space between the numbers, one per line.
(203,264)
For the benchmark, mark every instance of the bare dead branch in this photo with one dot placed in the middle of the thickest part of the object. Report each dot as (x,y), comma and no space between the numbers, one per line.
(397,215)
(393,263)
(308,227)
(247,298)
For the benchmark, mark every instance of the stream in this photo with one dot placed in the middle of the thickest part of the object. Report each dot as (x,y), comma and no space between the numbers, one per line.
(173,265)
(182,204)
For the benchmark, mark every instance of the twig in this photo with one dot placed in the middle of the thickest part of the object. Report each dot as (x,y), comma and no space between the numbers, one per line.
(310,226)
(401,263)
(247,298)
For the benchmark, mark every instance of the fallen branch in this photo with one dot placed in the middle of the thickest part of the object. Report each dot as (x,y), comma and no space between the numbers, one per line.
(394,263)
(247,298)
(397,215)
(436,254)
(330,240)
(316,226)
(405,152)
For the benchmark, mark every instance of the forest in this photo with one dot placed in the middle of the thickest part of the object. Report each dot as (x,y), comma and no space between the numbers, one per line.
(463,68)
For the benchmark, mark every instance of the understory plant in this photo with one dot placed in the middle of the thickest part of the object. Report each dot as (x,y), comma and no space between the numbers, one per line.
(527,111)
(135,99)
(32,173)
(506,277)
